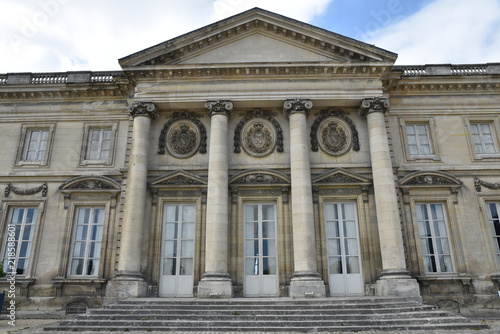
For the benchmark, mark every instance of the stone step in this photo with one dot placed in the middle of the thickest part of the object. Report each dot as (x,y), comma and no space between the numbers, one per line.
(258,311)
(350,314)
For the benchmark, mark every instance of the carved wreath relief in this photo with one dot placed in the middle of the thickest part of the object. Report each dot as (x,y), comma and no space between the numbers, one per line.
(259,137)
(334,136)
(183,139)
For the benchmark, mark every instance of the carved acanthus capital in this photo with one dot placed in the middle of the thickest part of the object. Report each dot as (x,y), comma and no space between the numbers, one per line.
(297,105)
(143,109)
(223,107)
(374,104)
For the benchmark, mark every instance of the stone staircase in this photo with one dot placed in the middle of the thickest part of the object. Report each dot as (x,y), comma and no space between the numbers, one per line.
(267,315)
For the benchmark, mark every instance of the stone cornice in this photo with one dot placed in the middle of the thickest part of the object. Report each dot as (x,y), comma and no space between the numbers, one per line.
(64,85)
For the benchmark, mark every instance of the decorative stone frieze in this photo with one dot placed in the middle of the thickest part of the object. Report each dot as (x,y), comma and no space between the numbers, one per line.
(25,192)
(334,132)
(219,107)
(90,183)
(430,179)
(297,105)
(375,104)
(260,132)
(179,178)
(143,109)
(183,135)
(478,183)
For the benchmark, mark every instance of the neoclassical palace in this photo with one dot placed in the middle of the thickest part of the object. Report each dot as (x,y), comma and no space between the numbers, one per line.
(258,156)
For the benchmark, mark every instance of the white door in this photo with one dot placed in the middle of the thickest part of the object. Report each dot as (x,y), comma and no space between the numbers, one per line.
(177,263)
(344,262)
(261,262)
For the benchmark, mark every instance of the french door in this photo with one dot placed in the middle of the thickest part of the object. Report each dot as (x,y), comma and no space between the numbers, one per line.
(261,258)
(177,262)
(344,261)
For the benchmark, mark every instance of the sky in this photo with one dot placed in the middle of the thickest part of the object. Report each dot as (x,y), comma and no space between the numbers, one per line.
(91,35)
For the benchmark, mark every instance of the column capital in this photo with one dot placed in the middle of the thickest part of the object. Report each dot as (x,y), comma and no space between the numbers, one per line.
(223,107)
(373,104)
(143,109)
(297,105)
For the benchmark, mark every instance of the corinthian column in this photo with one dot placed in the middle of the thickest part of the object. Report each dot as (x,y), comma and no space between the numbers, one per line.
(394,280)
(216,281)
(305,279)
(129,282)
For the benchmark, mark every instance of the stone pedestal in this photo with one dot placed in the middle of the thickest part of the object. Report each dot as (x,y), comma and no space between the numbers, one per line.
(129,282)
(305,281)
(216,281)
(394,280)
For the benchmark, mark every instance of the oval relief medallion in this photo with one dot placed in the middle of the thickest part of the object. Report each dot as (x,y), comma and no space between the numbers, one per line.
(259,137)
(334,136)
(183,139)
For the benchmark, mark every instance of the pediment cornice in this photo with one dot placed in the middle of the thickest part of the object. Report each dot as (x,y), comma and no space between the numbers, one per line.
(341,176)
(178,178)
(92,183)
(430,179)
(258,21)
(260,177)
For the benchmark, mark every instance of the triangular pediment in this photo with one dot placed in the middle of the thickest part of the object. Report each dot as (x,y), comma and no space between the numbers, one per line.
(257,36)
(178,178)
(260,177)
(341,176)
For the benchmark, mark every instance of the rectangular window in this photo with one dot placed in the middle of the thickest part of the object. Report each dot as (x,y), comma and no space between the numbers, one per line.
(419,141)
(19,239)
(483,137)
(434,238)
(35,146)
(493,217)
(99,144)
(87,238)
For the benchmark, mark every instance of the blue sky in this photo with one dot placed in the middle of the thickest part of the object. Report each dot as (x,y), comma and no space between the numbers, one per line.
(75,35)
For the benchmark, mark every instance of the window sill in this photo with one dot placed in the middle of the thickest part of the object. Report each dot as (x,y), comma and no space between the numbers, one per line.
(98,284)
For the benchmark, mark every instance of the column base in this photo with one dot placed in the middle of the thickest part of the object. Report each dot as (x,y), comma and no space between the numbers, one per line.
(307,285)
(397,283)
(215,285)
(129,285)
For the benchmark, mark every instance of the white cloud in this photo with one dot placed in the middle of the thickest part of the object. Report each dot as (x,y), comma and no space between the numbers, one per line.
(446,31)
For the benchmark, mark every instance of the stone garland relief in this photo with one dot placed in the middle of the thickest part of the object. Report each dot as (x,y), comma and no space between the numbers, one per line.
(183,135)
(478,183)
(32,191)
(334,132)
(258,133)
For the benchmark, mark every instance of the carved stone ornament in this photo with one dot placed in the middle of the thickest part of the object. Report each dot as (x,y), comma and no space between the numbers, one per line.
(339,178)
(428,180)
(259,178)
(297,105)
(143,109)
(375,104)
(180,180)
(183,135)
(32,191)
(220,107)
(334,132)
(261,134)
(95,182)
(478,183)
(91,185)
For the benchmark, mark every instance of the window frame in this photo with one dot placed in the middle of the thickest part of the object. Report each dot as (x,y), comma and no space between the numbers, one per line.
(494,126)
(88,128)
(7,209)
(433,237)
(431,135)
(483,200)
(26,129)
(496,243)
(75,206)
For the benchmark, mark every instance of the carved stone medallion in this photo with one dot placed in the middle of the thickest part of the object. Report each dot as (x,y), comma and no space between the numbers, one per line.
(334,136)
(183,139)
(259,137)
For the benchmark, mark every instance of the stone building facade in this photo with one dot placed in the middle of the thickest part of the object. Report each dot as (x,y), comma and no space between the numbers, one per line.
(255,157)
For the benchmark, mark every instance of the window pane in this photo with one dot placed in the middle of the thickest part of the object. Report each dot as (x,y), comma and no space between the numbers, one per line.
(335,265)
(170,249)
(269,266)
(268,230)
(252,266)
(251,212)
(330,212)
(186,267)
(188,213)
(95,250)
(252,248)
(187,231)
(443,246)
(171,213)
(429,264)
(96,233)
(351,247)
(187,248)
(334,247)
(251,230)
(426,245)
(24,250)
(77,267)
(79,249)
(352,265)
(169,266)
(332,230)
(92,267)
(350,229)
(268,247)
(445,263)
(268,212)
(171,231)
(81,232)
